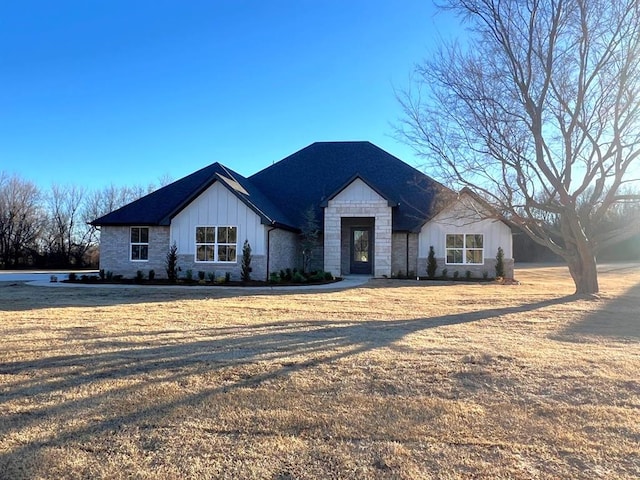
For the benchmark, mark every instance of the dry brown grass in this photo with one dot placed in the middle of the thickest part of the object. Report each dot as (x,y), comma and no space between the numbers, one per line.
(397,379)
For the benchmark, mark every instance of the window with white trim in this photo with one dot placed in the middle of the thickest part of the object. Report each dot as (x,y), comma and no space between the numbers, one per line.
(465,249)
(139,244)
(216,244)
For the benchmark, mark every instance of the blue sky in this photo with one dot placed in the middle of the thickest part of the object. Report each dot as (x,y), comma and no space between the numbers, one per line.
(124,92)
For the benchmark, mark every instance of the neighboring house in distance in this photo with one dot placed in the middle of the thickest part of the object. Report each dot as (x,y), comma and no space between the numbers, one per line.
(377,215)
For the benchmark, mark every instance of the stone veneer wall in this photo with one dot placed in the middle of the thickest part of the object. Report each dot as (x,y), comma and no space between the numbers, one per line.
(338,209)
(477,271)
(258,266)
(284,250)
(115,253)
(399,254)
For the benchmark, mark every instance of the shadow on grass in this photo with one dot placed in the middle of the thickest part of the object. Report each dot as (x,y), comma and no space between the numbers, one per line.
(619,319)
(17,296)
(266,352)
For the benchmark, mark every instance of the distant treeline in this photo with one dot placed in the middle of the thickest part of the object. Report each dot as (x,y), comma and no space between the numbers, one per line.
(48,228)
(526,250)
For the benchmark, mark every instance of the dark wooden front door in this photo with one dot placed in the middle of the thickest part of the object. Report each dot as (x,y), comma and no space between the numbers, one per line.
(361,250)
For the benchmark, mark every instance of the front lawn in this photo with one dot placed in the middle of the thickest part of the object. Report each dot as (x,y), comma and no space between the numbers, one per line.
(393,380)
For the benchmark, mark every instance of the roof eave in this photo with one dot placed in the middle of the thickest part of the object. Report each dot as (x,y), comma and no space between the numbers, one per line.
(127,224)
(283,226)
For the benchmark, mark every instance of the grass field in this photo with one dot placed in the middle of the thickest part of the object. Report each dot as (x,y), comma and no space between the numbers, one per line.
(393,380)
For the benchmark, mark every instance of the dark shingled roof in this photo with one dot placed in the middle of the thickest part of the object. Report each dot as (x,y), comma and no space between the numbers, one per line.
(281,193)
(159,207)
(313,175)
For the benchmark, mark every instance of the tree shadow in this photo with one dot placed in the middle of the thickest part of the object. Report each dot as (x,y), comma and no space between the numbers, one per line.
(287,347)
(20,296)
(17,296)
(618,319)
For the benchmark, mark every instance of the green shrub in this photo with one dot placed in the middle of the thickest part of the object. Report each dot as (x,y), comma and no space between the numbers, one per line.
(172,263)
(109,275)
(445,272)
(456,274)
(432,264)
(328,276)
(211,276)
(298,278)
(73,277)
(152,274)
(309,238)
(468,275)
(485,275)
(246,262)
(189,275)
(227,277)
(139,276)
(319,276)
(288,275)
(101,274)
(500,263)
(274,277)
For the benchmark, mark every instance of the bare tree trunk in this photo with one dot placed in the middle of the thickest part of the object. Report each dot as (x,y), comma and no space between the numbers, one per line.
(583,269)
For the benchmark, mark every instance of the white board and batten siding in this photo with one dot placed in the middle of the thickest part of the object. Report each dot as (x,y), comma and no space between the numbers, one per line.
(217,206)
(464,217)
(358,191)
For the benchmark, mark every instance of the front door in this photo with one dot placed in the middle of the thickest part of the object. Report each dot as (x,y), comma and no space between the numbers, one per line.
(361,250)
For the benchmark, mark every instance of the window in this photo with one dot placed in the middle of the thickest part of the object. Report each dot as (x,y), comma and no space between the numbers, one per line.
(465,249)
(216,244)
(139,244)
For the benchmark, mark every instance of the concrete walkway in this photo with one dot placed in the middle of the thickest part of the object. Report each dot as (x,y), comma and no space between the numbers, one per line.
(43,279)
(39,275)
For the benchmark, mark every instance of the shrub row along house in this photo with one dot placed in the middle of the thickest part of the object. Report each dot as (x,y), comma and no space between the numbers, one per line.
(376,215)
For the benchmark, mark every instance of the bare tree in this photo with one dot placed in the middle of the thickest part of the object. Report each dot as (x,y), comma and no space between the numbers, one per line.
(20,219)
(71,210)
(65,230)
(100,202)
(54,227)
(540,114)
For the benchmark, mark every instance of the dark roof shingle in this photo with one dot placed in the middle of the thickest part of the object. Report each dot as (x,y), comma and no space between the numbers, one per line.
(281,193)
(159,207)
(312,175)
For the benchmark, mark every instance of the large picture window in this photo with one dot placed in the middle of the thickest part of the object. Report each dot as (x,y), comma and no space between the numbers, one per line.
(216,244)
(465,249)
(139,244)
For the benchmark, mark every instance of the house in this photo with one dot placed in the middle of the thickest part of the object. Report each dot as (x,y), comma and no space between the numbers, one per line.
(377,215)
